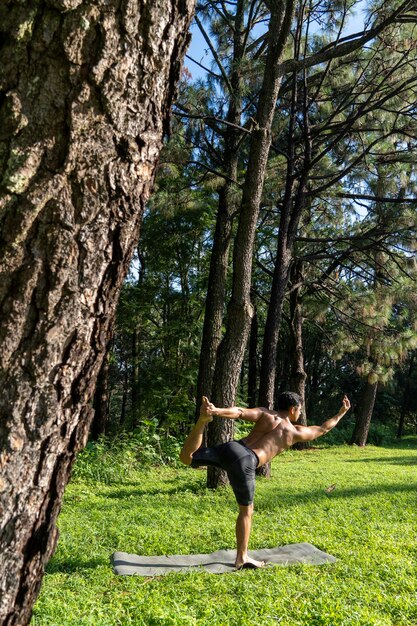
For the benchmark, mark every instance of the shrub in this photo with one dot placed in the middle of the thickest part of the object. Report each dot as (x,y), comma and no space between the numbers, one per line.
(114,459)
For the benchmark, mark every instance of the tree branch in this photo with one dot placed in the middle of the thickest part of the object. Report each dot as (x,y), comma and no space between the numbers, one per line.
(353,42)
(212,118)
(187,56)
(216,172)
(355,196)
(214,53)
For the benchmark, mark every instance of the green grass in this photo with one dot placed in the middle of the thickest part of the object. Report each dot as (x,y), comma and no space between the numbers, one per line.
(368,522)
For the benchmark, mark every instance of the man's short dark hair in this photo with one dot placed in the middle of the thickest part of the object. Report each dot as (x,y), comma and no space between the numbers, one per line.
(286,399)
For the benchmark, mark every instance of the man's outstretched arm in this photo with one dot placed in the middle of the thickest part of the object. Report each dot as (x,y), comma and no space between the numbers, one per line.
(234,412)
(309,433)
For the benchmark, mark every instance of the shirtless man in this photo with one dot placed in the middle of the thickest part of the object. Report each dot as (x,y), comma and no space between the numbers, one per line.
(273,432)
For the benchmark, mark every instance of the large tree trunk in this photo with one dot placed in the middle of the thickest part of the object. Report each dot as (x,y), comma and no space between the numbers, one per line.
(240,311)
(222,430)
(85,95)
(291,212)
(364,414)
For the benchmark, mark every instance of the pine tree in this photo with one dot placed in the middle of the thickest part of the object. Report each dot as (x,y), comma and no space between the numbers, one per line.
(85,95)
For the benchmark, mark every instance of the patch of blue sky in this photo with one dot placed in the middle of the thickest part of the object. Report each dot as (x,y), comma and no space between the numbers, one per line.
(360,209)
(199,55)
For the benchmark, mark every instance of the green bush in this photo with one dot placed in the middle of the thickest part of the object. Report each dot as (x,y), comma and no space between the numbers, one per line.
(379,434)
(114,459)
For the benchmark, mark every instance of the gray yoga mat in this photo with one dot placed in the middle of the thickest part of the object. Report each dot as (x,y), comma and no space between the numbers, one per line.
(216,563)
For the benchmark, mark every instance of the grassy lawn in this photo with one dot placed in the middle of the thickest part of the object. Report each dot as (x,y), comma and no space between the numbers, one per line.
(368,522)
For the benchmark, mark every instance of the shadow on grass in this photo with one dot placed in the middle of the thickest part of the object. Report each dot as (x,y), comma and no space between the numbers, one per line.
(393,460)
(74,565)
(318,496)
(407,442)
(268,496)
(197,488)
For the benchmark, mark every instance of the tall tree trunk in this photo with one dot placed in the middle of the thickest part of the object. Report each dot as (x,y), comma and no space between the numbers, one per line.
(253,360)
(405,402)
(86,90)
(134,376)
(290,218)
(273,323)
(240,311)
(364,414)
(101,401)
(219,261)
(298,373)
(222,430)
(291,212)
(123,409)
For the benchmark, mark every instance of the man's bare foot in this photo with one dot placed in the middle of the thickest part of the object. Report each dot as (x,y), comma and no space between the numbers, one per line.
(204,415)
(248,563)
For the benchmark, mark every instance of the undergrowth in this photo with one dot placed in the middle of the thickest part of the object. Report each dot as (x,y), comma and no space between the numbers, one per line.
(112,459)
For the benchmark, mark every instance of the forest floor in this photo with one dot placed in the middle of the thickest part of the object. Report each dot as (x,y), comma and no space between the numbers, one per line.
(367,519)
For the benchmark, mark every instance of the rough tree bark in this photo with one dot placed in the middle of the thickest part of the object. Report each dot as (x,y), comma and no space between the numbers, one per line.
(240,311)
(85,93)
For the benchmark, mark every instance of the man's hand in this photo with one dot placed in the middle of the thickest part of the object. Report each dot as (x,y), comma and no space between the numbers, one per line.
(345,405)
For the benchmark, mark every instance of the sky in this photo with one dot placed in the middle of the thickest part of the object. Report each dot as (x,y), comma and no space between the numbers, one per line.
(199,51)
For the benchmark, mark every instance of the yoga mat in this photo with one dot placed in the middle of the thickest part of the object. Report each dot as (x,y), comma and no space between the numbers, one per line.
(216,563)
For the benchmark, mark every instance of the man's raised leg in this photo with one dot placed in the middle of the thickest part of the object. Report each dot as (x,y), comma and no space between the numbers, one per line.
(195,438)
(243,528)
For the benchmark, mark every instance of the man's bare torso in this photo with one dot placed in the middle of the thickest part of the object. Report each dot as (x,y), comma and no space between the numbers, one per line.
(270,436)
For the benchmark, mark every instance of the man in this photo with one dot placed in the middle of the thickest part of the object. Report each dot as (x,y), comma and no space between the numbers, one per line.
(273,432)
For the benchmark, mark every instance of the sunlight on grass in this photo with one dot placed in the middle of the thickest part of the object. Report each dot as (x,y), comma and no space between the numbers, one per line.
(368,521)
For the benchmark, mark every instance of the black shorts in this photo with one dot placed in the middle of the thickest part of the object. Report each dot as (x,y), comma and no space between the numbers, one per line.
(238,461)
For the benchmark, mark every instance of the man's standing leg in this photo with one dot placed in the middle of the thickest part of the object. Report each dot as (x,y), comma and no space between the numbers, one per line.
(243,528)
(195,438)
(244,520)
